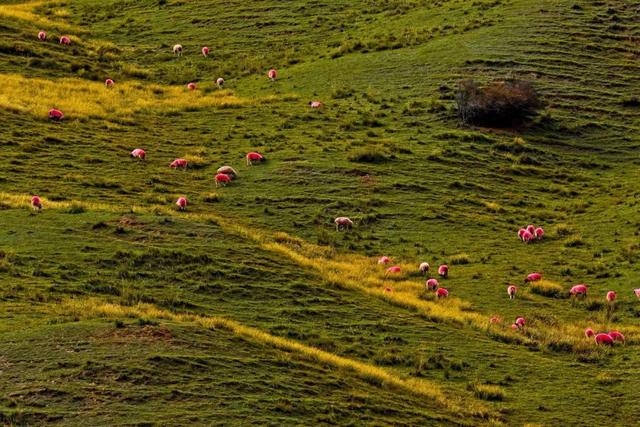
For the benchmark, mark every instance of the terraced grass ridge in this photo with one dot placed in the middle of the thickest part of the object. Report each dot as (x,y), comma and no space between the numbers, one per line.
(249,307)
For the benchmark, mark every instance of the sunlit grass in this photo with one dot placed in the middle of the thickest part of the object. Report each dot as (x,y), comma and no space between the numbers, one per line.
(82,98)
(362,274)
(25,12)
(92,307)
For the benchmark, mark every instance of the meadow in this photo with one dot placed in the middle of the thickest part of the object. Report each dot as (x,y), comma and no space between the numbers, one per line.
(249,308)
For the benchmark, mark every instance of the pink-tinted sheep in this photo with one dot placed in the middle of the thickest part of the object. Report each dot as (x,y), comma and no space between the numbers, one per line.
(495,320)
(56,115)
(637,292)
(108,83)
(521,233)
(181,203)
(36,203)
(443,271)
(42,36)
(179,163)
(222,179)
(220,82)
(192,86)
(138,153)
(511,291)
(253,157)
(527,237)
(588,333)
(394,269)
(616,336)
(65,40)
(611,296)
(432,284)
(272,74)
(604,339)
(538,232)
(579,290)
(205,51)
(442,293)
(533,277)
(520,321)
(316,104)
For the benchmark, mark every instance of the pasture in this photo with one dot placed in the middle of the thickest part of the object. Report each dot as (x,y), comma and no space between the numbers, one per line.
(248,307)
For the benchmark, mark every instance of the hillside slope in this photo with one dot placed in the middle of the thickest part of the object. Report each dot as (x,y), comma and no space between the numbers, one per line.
(248,307)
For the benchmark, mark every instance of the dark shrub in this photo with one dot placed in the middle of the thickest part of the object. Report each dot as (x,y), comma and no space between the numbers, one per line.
(500,104)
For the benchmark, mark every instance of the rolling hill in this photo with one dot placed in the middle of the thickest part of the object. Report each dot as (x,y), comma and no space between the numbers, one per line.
(248,307)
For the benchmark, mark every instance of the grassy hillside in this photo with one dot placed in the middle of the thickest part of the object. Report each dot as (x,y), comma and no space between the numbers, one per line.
(248,307)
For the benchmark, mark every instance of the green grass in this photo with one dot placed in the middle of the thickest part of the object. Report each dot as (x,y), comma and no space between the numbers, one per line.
(386,150)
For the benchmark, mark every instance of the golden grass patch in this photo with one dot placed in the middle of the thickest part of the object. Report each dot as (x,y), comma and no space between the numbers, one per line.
(83,98)
(25,12)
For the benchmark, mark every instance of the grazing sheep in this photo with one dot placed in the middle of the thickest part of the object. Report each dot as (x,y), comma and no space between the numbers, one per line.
(432,284)
(538,232)
(394,269)
(604,339)
(527,236)
(220,82)
(65,40)
(179,163)
(443,271)
(177,49)
(384,260)
(388,289)
(611,296)
(227,170)
(316,104)
(424,267)
(616,336)
(588,333)
(521,233)
(181,203)
(637,292)
(222,179)
(521,322)
(108,83)
(205,51)
(273,74)
(531,229)
(511,291)
(254,157)
(342,222)
(442,293)
(579,290)
(533,277)
(42,36)
(514,327)
(138,153)
(56,115)
(192,86)
(36,203)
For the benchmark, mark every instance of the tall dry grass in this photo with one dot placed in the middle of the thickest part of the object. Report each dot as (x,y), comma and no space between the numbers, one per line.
(83,98)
